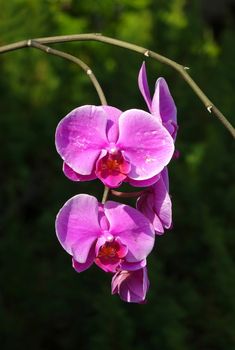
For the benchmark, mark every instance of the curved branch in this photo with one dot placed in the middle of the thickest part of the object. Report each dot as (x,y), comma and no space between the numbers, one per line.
(98,37)
(86,68)
(83,65)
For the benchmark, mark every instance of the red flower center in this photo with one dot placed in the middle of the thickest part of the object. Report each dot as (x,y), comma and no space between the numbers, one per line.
(113,163)
(108,251)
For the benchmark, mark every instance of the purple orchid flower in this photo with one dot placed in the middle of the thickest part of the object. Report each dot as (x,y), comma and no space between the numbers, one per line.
(162,104)
(131,286)
(114,146)
(155,204)
(114,236)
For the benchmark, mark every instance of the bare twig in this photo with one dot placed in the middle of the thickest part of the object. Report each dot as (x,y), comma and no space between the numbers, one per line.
(98,37)
(105,194)
(83,65)
(126,194)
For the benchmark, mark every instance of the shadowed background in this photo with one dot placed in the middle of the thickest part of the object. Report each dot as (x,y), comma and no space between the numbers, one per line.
(44,304)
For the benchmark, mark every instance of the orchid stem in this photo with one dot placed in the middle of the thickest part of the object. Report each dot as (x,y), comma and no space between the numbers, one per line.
(181,69)
(83,65)
(126,194)
(105,194)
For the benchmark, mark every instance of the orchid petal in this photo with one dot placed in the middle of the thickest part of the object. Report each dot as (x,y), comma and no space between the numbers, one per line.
(72,175)
(80,136)
(143,85)
(77,226)
(133,229)
(162,203)
(113,115)
(133,266)
(89,261)
(165,177)
(164,106)
(145,142)
(131,286)
(144,183)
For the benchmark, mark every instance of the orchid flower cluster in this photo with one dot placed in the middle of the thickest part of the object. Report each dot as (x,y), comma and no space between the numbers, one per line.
(133,146)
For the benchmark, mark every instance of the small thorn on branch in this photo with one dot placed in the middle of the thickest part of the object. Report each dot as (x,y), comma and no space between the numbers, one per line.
(186,68)
(209,108)
(29,42)
(146,53)
(89,71)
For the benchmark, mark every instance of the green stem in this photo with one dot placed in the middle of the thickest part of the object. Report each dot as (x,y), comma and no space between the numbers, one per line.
(86,68)
(126,194)
(83,65)
(105,194)
(98,37)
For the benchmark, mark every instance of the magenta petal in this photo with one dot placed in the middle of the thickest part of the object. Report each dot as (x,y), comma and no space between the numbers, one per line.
(145,204)
(72,175)
(162,203)
(89,261)
(165,177)
(139,283)
(143,85)
(155,204)
(144,183)
(107,267)
(163,105)
(80,137)
(113,115)
(77,226)
(150,147)
(133,229)
(133,266)
(131,286)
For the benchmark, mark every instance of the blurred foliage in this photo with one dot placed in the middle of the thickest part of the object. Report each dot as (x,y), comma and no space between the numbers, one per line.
(44,304)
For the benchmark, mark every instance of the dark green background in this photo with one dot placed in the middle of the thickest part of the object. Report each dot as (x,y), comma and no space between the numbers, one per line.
(44,304)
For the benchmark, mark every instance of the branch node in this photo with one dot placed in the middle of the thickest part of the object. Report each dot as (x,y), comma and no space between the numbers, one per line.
(29,42)
(146,53)
(89,71)
(209,108)
(48,49)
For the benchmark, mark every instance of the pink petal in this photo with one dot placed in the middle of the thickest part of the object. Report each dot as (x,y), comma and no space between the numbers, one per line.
(133,266)
(162,203)
(155,204)
(113,115)
(145,204)
(133,229)
(144,183)
(163,105)
(145,142)
(89,261)
(165,177)
(106,266)
(80,136)
(77,226)
(103,222)
(139,283)
(143,85)
(131,286)
(72,175)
